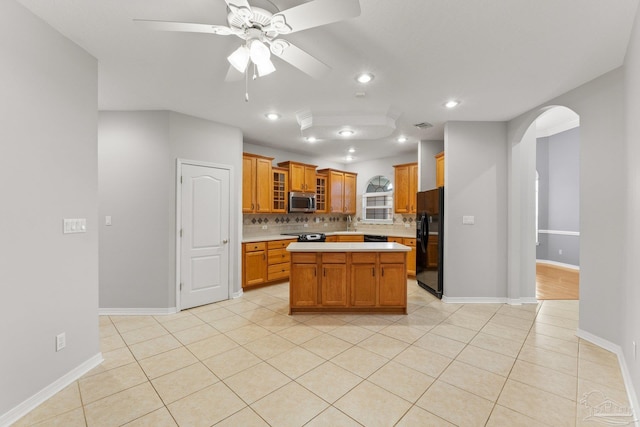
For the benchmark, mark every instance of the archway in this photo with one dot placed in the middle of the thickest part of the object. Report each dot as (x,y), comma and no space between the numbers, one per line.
(522,203)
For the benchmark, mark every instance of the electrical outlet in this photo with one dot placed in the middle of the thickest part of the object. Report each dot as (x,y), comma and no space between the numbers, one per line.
(61,341)
(326,225)
(305,225)
(407,225)
(264,227)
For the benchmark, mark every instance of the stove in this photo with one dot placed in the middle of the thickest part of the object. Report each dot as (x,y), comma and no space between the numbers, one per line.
(308,237)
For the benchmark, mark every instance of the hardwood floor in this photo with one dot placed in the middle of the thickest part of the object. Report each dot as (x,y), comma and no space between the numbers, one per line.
(554,282)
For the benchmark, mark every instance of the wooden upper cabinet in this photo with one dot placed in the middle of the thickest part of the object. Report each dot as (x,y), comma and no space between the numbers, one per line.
(341,191)
(280,189)
(406,187)
(302,177)
(256,183)
(439,169)
(321,193)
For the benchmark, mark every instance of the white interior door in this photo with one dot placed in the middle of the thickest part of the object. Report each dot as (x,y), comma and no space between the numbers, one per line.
(204,264)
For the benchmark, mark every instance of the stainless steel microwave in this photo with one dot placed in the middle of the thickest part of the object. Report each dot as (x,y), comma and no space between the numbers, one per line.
(302,202)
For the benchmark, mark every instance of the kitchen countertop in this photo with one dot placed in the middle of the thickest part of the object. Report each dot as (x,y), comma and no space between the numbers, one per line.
(270,237)
(348,247)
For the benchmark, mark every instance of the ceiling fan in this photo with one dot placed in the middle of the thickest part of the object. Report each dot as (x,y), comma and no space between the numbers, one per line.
(260,31)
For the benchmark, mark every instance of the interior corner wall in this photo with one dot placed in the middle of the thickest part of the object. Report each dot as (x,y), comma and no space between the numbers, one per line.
(138,151)
(426,152)
(475,256)
(48,171)
(630,292)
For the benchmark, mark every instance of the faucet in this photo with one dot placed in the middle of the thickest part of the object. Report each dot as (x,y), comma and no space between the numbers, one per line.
(348,222)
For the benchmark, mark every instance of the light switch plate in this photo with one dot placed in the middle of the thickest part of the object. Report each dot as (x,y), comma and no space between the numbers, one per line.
(74,225)
(468,220)
(107,220)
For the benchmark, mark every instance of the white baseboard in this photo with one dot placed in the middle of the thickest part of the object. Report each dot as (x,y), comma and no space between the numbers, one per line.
(614,348)
(523,300)
(473,300)
(559,264)
(237,294)
(136,311)
(46,393)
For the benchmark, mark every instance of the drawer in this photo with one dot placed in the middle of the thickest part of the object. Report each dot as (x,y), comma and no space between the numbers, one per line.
(275,256)
(409,242)
(278,271)
(255,246)
(334,258)
(395,239)
(343,238)
(389,257)
(279,244)
(304,257)
(363,257)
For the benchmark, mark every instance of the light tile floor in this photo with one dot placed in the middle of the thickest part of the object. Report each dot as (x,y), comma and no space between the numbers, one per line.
(246,362)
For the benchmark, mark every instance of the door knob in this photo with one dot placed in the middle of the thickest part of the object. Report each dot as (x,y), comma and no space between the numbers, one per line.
(225,241)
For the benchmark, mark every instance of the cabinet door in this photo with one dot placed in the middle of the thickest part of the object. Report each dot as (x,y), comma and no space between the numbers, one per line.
(255,265)
(334,285)
(440,169)
(349,193)
(297,177)
(303,285)
(263,185)
(413,187)
(280,182)
(401,186)
(248,183)
(321,193)
(393,285)
(336,182)
(363,285)
(411,256)
(309,179)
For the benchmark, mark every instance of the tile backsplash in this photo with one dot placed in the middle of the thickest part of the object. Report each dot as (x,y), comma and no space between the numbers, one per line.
(256,225)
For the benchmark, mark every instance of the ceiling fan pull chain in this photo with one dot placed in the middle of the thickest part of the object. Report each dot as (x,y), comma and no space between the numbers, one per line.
(246,86)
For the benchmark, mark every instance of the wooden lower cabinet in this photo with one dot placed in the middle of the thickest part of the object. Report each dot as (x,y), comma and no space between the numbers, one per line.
(254,266)
(351,281)
(265,262)
(350,238)
(411,256)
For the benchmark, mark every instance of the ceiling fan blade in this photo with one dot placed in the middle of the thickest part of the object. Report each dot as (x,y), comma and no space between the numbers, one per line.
(302,60)
(187,27)
(233,75)
(314,14)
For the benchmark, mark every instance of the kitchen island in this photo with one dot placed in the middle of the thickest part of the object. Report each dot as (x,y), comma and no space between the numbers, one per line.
(348,277)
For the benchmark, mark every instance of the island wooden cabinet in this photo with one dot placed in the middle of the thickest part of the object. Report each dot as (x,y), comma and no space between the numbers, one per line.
(348,281)
(405,187)
(341,191)
(440,169)
(304,272)
(256,183)
(302,177)
(333,282)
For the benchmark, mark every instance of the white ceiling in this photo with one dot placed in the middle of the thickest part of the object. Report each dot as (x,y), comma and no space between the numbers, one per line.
(498,57)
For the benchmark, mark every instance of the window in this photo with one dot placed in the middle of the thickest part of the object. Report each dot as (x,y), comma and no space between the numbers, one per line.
(377,201)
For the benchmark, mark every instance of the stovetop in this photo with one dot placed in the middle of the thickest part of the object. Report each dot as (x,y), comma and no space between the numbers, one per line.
(308,236)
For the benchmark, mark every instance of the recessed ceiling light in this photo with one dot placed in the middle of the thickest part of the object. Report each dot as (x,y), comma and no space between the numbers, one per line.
(272,116)
(349,158)
(311,139)
(352,150)
(364,77)
(402,139)
(451,104)
(346,132)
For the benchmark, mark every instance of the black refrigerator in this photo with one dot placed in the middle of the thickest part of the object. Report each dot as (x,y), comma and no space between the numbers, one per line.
(429,240)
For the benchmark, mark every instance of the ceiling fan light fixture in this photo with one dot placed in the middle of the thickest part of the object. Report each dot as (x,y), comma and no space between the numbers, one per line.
(239,59)
(259,52)
(265,68)
(364,78)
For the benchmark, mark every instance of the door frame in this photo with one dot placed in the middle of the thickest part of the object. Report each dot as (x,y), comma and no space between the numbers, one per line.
(233,244)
